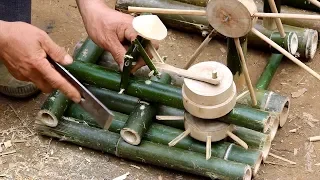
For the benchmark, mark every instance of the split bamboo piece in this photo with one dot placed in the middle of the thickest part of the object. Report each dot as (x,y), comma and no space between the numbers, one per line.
(284,52)
(246,72)
(162,134)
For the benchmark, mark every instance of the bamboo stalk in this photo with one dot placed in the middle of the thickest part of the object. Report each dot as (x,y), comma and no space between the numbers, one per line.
(271,102)
(246,72)
(162,134)
(234,62)
(284,52)
(145,89)
(278,20)
(88,52)
(287,16)
(166,11)
(269,71)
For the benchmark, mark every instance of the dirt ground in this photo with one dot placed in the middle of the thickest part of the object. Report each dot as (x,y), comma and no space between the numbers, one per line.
(37,157)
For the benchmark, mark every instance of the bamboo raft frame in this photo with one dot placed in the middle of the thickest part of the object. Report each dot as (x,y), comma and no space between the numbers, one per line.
(157,98)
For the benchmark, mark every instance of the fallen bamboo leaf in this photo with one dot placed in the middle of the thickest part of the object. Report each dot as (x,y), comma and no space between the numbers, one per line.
(299,93)
(122,177)
(283,159)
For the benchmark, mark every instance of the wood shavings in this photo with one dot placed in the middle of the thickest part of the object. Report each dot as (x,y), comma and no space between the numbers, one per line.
(293,131)
(8,153)
(223,50)
(295,151)
(7,144)
(311,124)
(122,177)
(309,117)
(137,167)
(299,93)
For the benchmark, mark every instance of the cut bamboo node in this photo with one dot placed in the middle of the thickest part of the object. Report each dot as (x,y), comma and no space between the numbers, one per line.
(207,101)
(130,136)
(234,19)
(47,118)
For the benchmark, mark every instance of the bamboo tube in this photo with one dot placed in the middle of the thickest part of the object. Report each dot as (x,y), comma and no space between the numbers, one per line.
(201,3)
(144,89)
(109,142)
(254,139)
(234,62)
(271,102)
(302,4)
(269,71)
(55,105)
(175,158)
(162,134)
(53,109)
(245,71)
(137,124)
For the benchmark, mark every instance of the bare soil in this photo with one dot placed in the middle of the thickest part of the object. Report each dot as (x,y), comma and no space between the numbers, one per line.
(40,157)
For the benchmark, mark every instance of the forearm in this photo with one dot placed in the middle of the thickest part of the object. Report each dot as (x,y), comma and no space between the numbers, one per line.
(87,7)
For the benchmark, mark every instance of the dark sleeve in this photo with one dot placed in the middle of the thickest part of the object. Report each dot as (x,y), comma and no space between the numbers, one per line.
(15,10)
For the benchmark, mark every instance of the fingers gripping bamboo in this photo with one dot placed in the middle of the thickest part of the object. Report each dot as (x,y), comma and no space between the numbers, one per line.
(287,16)
(208,148)
(179,138)
(284,52)
(166,11)
(246,72)
(315,2)
(274,9)
(199,50)
(237,139)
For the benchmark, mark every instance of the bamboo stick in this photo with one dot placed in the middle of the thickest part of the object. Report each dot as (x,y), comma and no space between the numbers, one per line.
(166,11)
(315,2)
(208,148)
(302,4)
(269,23)
(284,52)
(283,159)
(278,20)
(202,46)
(237,140)
(169,118)
(314,139)
(246,72)
(287,16)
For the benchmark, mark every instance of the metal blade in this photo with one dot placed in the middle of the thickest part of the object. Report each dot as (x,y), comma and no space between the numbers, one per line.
(89,102)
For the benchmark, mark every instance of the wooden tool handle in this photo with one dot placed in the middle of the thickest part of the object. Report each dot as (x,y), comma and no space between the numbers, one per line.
(186,74)
(166,11)
(287,16)
(286,53)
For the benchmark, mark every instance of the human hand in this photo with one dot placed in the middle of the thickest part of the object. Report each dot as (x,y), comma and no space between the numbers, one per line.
(109,29)
(24,48)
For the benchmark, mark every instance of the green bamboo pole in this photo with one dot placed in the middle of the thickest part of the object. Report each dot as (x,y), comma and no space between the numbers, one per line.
(146,152)
(164,78)
(269,101)
(162,134)
(269,71)
(145,89)
(55,105)
(301,4)
(234,62)
(138,123)
(175,158)
(201,3)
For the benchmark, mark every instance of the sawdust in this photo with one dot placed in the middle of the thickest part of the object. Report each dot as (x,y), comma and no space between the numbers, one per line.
(299,93)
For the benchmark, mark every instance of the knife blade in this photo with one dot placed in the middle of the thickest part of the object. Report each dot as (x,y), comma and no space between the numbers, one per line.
(89,102)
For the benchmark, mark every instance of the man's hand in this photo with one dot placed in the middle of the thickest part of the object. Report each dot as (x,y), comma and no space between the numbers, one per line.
(108,28)
(24,48)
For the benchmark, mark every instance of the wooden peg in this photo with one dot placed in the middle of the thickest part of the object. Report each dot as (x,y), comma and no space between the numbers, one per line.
(154,53)
(237,139)
(246,72)
(274,9)
(179,138)
(208,148)
(166,11)
(286,53)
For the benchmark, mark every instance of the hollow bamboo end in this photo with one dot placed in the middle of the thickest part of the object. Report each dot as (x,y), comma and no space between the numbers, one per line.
(284,113)
(256,166)
(130,136)
(247,173)
(265,149)
(312,43)
(274,126)
(47,118)
(293,43)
